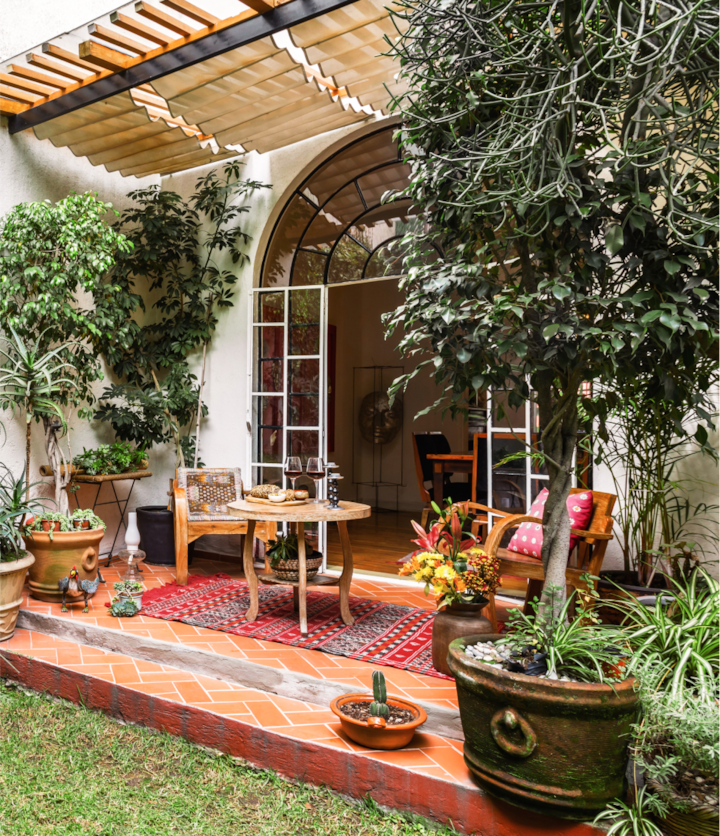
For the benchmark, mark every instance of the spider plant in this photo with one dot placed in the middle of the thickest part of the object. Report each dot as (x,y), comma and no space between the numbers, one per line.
(29,380)
(681,634)
(13,508)
(579,647)
(629,820)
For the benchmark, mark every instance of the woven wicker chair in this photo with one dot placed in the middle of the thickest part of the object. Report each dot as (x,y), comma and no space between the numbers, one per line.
(200,498)
(587,558)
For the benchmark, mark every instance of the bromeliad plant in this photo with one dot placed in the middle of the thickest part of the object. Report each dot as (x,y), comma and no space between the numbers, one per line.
(449,562)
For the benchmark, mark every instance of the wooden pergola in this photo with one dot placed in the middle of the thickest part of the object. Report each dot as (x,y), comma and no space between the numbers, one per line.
(155,89)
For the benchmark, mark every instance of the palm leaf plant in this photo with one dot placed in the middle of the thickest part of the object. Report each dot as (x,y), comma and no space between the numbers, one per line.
(14,508)
(30,379)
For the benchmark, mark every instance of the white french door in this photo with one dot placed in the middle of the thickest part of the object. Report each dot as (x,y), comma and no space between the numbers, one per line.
(287,413)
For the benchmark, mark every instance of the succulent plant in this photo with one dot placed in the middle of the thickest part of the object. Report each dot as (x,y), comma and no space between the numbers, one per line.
(379,706)
(124,608)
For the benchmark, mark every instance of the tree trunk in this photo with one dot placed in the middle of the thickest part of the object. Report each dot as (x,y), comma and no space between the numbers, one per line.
(62,471)
(28,435)
(559,423)
(199,406)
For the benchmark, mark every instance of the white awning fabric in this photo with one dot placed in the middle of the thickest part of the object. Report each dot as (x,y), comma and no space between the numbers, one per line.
(314,77)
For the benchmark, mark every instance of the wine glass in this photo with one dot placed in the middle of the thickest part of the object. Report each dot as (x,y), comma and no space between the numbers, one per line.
(316,472)
(293,469)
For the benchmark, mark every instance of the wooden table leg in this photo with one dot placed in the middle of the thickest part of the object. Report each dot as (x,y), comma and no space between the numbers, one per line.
(250,576)
(347,572)
(302,590)
(296,598)
(438,483)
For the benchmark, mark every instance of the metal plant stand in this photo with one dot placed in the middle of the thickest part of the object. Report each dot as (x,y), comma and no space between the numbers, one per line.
(122,504)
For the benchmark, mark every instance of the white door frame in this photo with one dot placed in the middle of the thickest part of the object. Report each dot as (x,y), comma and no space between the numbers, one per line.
(253,395)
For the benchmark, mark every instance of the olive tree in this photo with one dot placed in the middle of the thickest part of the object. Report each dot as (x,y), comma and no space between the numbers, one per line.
(564,157)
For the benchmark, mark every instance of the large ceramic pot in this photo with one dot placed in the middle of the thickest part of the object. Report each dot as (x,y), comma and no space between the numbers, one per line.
(12,580)
(454,622)
(55,558)
(549,746)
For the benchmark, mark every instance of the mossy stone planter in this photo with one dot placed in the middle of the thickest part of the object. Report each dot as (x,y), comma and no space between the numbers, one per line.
(551,747)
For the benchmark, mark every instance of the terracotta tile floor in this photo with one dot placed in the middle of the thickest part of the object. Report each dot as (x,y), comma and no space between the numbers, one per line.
(428,753)
(313,662)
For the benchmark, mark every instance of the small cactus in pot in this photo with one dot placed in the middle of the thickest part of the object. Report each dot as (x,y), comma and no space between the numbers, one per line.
(379,710)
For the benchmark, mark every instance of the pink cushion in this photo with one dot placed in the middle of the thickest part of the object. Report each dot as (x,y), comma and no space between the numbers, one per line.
(528,537)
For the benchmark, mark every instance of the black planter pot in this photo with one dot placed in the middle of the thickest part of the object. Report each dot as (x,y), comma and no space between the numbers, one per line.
(157,535)
(628,585)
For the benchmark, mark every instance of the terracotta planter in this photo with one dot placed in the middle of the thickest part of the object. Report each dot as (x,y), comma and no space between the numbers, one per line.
(376,737)
(81,524)
(289,570)
(49,525)
(12,580)
(55,558)
(452,623)
(552,747)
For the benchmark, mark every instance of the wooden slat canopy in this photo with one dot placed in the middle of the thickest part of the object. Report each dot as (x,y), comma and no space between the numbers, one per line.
(138,99)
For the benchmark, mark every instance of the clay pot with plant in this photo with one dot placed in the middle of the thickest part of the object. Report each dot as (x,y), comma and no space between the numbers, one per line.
(378,721)
(284,561)
(57,550)
(14,559)
(460,575)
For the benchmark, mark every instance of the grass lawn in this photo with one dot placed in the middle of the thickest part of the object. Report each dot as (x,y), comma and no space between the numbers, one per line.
(67,770)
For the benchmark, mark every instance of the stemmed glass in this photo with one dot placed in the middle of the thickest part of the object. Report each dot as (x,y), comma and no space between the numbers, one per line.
(316,472)
(293,469)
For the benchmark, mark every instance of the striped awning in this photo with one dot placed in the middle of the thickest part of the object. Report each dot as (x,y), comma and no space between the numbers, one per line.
(286,84)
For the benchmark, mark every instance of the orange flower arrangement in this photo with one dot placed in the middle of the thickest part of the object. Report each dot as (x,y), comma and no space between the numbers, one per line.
(455,568)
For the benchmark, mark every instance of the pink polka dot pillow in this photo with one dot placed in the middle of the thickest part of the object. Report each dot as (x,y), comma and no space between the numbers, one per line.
(528,537)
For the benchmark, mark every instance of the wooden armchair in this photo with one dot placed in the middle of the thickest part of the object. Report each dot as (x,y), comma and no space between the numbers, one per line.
(200,498)
(587,558)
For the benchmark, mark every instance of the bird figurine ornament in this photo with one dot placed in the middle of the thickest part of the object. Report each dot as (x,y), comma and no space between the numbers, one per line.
(73,583)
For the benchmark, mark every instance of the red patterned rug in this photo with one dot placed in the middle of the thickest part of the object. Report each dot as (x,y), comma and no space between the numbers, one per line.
(383,634)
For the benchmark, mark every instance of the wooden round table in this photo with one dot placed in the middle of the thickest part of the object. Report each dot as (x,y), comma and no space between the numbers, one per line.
(299,514)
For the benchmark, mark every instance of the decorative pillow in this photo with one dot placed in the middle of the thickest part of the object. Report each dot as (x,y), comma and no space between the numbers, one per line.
(528,537)
(209,490)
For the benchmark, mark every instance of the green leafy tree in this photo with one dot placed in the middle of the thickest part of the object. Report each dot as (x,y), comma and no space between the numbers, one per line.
(565,156)
(58,308)
(176,243)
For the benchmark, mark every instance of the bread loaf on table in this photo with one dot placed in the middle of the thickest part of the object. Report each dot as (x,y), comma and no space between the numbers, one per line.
(263,491)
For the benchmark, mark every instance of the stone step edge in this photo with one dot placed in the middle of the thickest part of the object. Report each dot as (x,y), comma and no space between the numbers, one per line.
(441,720)
(467,808)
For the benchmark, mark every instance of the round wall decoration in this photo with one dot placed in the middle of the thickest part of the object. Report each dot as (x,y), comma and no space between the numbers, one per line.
(380,422)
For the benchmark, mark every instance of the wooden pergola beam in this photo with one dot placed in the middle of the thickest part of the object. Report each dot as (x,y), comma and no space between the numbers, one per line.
(69,57)
(164,19)
(103,57)
(243,29)
(137,27)
(191,11)
(54,66)
(260,6)
(28,73)
(117,38)
(10,108)
(28,86)
(18,95)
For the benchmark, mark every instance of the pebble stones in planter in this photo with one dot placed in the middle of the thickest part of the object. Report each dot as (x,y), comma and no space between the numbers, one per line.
(499,658)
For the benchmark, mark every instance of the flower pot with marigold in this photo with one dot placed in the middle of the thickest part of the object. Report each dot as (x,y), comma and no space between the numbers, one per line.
(461,577)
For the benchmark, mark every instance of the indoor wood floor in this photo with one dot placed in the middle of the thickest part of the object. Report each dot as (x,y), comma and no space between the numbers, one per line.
(377,542)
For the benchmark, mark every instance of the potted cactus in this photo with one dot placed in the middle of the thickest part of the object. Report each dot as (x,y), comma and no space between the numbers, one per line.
(377,721)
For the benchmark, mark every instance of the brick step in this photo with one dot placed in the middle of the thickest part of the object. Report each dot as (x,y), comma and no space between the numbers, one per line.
(299,740)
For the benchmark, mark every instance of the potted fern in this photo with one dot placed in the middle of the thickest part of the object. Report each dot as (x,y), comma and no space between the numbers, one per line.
(284,560)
